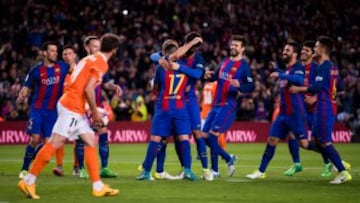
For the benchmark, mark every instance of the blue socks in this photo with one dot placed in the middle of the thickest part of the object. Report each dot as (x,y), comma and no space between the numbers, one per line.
(214,160)
(29,154)
(160,159)
(316,148)
(152,151)
(37,149)
(186,153)
(334,157)
(178,151)
(104,149)
(267,156)
(201,148)
(79,148)
(294,150)
(214,145)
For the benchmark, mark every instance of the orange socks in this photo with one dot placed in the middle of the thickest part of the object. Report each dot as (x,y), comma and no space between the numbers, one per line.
(222,141)
(60,156)
(92,163)
(42,158)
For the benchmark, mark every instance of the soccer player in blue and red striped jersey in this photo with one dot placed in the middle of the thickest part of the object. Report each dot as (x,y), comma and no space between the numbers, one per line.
(195,61)
(292,107)
(325,86)
(170,111)
(233,75)
(44,85)
(309,78)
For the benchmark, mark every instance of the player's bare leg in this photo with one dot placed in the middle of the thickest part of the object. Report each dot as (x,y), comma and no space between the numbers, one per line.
(27,185)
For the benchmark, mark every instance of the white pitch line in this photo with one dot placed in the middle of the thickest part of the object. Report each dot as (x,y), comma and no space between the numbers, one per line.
(239,165)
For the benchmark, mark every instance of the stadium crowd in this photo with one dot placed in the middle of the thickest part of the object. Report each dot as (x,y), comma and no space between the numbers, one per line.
(144,25)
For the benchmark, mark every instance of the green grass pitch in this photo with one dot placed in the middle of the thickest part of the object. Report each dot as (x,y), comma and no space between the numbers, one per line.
(307,186)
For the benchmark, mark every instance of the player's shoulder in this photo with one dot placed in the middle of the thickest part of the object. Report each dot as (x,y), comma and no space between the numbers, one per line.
(198,56)
(36,67)
(298,68)
(314,64)
(63,65)
(244,62)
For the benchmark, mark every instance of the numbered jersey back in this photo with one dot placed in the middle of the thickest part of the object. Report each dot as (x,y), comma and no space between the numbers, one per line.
(172,85)
(91,66)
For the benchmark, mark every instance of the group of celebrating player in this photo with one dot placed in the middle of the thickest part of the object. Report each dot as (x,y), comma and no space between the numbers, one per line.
(307,92)
(308,101)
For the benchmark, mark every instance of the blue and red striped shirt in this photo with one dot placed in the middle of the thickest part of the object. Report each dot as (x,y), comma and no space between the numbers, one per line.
(171,87)
(195,62)
(310,71)
(291,103)
(226,93)
(46,84)
(326,84)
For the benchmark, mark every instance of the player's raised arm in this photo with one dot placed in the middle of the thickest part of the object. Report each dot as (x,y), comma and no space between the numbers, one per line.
(181,51)
(194,73)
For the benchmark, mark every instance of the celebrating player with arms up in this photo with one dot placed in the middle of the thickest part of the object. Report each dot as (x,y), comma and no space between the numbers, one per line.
(170,109)
(72,121)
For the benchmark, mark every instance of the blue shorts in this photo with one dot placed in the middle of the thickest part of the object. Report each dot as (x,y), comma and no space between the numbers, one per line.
(41,122)
(219,119)
(323,127)
(169,122)
(193,110)
(310,116)
(283,124)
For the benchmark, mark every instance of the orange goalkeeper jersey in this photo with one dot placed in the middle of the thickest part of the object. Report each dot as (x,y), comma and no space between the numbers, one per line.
(91,66)
(207,98)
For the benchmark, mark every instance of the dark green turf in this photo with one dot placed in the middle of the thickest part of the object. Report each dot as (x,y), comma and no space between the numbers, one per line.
(307,186)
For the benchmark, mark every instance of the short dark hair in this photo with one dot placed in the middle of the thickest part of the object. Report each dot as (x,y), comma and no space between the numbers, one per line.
(295,46)
(88,39)
(191,35)
(239,38)
(309,43)
(109,42)
(68,46)
(326,42)
(46,45)
(188,37)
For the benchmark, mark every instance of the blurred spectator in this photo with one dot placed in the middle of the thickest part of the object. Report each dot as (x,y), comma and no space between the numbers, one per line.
(139,111)
(143,26)
(261,114)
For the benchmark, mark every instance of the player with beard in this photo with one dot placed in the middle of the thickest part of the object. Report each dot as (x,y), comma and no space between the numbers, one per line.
(292,107)
(44,86)
(233,75)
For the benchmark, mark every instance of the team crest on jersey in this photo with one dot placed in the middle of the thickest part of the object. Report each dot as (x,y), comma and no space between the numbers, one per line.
(233,68)
(57,70)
